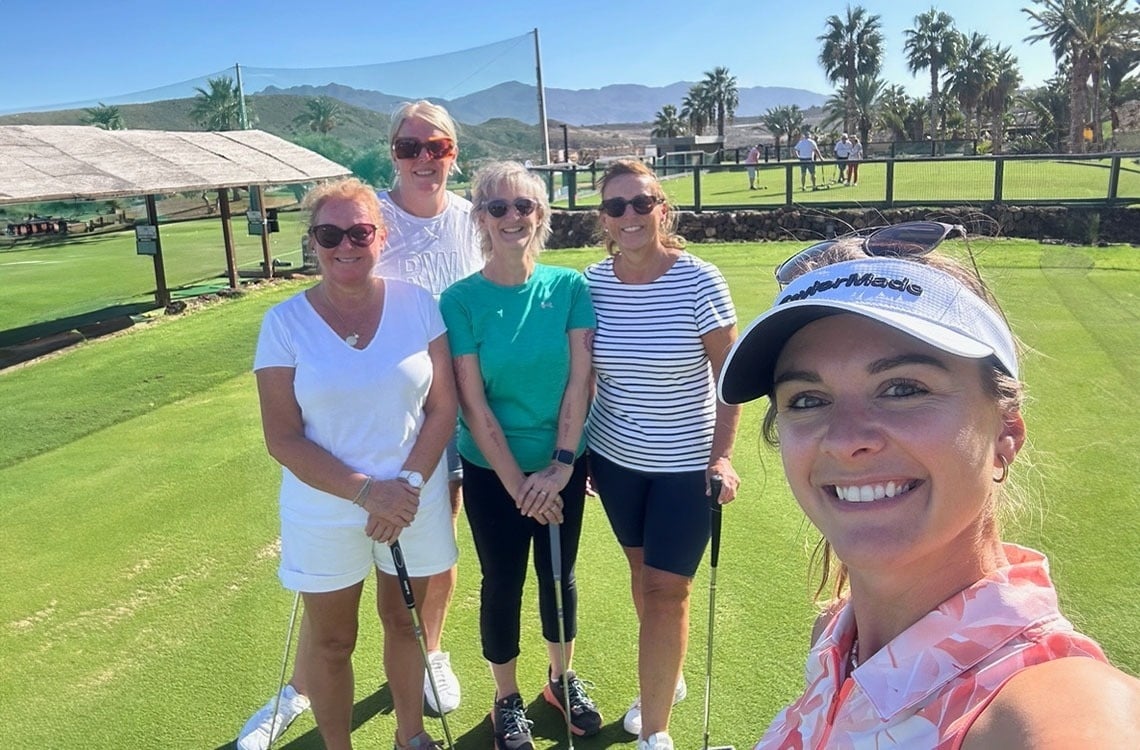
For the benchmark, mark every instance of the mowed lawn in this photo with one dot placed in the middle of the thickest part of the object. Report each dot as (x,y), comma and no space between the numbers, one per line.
(138,529)
(965,181)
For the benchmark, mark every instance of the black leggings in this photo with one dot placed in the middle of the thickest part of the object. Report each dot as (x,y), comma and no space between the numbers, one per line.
(502,540)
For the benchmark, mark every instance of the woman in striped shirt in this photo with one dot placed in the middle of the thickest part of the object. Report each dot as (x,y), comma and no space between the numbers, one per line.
(656,432)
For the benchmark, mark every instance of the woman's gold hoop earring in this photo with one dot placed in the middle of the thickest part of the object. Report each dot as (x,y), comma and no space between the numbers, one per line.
(1004,470)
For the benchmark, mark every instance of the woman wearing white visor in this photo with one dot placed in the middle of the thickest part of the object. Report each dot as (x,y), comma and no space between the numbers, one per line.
(893,389)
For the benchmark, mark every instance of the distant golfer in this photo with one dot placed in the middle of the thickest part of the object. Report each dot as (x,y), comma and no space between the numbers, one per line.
(808,152)
(750,161)
(842,152)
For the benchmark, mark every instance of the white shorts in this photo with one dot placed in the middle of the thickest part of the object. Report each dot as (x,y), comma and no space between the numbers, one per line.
(317,559)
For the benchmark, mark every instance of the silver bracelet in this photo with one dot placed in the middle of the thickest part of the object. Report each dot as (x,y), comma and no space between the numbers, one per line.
(363,493)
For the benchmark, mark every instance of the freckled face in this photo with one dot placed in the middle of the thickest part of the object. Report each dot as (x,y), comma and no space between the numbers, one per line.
(888,443)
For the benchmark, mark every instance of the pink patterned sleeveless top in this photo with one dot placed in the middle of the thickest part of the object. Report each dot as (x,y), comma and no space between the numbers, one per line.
(926,687)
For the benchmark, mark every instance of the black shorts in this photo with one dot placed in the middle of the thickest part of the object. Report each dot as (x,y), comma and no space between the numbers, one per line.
(664,513)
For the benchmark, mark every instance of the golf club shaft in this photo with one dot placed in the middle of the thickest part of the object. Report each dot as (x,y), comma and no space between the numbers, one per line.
(715,486)
(284,662)
(410,603)
(556,567)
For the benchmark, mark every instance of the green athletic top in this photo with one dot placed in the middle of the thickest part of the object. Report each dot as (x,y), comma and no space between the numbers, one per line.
(519,335)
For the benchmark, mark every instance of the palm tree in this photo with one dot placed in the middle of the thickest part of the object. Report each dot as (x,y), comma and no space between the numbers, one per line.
(999,98)
(973,76)
(668,123)
(104,117)
(219,108)
(721,87)
(698,108)
(320,115)
(1048,108)
(1119,87)
(852,46)
(785,120)
(932,45)
(1083,34)
(900,113)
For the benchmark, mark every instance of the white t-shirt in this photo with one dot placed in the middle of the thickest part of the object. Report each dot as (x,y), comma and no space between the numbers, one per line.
(364,406)
(806,148)
(433,253)
(856,152)
(842,149)
(655,408)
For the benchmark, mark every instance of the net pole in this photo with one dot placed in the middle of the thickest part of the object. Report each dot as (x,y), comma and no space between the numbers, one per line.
(243,119)
(541,101)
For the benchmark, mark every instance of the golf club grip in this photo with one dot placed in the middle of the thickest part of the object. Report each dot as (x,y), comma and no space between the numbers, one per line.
(402,575)
(555,549)
(715,516)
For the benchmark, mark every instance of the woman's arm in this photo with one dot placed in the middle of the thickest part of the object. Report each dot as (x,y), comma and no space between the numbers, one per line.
(285,439)
(486,430)
(1074,702)
(717,344)
(571,421)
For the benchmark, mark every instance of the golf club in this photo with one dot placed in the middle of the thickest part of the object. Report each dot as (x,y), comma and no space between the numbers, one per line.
(715,485)
(556,566)
(284,661)
(410,603)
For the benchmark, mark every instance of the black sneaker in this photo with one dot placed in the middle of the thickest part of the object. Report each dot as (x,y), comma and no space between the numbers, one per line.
(512,728)
(584,717)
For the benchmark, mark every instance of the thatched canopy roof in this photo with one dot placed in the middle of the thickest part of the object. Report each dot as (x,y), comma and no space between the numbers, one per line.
(63,162)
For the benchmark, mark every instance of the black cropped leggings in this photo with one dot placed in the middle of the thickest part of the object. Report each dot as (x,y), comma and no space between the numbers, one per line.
(503,541)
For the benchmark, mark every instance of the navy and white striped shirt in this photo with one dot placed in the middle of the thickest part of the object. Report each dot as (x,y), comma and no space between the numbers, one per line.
(655,408)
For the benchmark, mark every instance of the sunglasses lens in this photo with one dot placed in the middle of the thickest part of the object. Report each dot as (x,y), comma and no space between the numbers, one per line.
(406,148)
(913,238)
(361,234)
(327,236)
(525,206)
(643,204)
(497,208)
(440,148)
(614,207)
(799,263)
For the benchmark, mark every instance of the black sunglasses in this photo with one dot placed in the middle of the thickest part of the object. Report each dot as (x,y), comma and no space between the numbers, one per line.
(642,204)
(410,148)
(499,207)
(329,236)
(912,238)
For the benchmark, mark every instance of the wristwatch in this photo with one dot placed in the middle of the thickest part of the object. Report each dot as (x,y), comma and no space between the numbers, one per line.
(413,478)
(563,456)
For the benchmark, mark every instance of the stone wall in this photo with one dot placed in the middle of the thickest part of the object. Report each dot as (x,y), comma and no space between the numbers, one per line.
(1077,224)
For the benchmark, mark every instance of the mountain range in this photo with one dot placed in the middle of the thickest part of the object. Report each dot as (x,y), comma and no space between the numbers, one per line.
(618,103)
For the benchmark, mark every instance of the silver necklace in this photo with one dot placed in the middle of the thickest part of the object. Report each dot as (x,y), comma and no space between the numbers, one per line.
(351,338)
(853,656)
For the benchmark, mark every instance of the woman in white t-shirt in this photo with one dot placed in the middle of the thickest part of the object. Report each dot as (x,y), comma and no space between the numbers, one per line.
(359,472)
(656,432)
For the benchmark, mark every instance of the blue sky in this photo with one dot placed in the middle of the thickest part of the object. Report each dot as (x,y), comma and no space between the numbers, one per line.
(69,51)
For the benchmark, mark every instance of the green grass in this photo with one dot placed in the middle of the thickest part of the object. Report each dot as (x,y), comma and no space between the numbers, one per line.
(138,529)
(935,180)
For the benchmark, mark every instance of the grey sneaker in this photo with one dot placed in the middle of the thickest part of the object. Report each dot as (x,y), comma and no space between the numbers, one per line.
(421,741)
(512,728)
(585,720)
(262,729)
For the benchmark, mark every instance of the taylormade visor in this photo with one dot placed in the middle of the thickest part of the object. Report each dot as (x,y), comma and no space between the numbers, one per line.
(916,299)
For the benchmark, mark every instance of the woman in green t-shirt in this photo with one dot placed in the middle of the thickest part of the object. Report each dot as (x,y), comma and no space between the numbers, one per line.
(520,336)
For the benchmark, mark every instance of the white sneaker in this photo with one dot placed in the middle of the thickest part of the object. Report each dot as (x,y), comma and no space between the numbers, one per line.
(255,734)
(632,720)
(445,682)
(656,741)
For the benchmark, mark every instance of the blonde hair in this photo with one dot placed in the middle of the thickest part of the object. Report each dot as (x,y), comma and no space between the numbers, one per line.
(349,189)
(669,236)
(433,114)
(510,174)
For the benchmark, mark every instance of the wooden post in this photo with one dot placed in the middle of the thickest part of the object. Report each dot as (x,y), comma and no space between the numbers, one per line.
(161,293)
(267,258)
(228,236)
(999,178)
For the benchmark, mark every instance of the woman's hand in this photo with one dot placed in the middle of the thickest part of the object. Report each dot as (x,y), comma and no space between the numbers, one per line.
(538,490)
(730,482)
(392,502)
(380,531)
